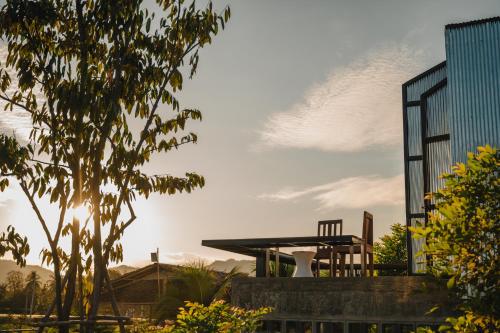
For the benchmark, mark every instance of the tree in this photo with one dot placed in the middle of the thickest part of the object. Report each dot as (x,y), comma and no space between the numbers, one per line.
(15,282)
(15,288)
(99,80)
(46,294)
(32,286)
(195,283)
(462,239)
(218,317)
(392,250)
(114,274)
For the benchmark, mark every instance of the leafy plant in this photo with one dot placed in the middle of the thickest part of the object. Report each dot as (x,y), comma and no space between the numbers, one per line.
(195,283)
(462,239)
(218,317)
(392,250)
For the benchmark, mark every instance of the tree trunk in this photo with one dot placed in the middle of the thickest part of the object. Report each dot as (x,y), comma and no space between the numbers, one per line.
(73,264)
(32,299)
(114,303)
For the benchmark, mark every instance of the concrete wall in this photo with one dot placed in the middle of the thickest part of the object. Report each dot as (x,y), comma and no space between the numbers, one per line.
(379,299)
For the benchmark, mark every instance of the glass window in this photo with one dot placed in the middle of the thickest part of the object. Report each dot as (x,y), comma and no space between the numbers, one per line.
(362,328)
(397,328)
(327,327)
(271,326)
(433,327)
(298,327)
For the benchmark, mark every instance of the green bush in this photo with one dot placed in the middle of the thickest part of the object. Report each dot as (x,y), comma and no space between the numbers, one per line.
(218,317)
(462,240)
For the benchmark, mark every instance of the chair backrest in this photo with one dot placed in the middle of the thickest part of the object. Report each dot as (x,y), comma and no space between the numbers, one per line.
(367,233)
(329,228)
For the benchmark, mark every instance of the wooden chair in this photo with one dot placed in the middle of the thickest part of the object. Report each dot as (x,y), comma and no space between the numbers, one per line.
(327,228)
(366,248)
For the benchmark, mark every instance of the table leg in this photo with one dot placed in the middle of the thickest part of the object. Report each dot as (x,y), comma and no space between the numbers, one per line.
(363,260)
(318,266)
(351,260)
(370,263)
(334,264)
(342,264)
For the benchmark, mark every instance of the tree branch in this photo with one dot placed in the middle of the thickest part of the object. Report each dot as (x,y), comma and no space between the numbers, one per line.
(37,211)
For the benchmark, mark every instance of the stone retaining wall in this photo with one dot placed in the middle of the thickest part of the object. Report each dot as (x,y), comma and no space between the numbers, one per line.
(379,299)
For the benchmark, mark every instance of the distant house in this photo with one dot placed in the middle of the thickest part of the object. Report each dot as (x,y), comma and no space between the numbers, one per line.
(138,292)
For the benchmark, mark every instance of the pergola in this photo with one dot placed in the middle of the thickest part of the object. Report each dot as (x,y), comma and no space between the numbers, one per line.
(267,249)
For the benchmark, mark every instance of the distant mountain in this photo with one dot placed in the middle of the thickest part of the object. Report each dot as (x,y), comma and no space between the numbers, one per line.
(8,265)
(244,266)
(124,269)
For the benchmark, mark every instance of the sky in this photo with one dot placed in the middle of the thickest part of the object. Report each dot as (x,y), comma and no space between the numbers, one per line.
(302,122)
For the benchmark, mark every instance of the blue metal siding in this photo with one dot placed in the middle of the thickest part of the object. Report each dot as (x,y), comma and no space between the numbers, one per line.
(414,179)
(417,88)
(473,62)
(416,183)
(414,131)
(438,162)
(437,153)
(437,115)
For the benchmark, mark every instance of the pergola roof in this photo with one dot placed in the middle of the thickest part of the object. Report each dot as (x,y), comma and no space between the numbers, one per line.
(256,247)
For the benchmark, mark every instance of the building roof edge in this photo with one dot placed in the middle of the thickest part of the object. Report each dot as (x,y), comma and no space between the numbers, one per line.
(471,23)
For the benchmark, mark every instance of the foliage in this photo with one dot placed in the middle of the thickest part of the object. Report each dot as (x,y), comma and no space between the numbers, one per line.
(15,282)
(218,317)
(25,294)
(463,238)
(11,241)
(471,322)
(286,270)
(392,250)
(99,80)
(114,274)
(196,283)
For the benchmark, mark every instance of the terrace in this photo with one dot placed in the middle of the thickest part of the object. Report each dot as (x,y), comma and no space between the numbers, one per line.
(332,249)
(339,290)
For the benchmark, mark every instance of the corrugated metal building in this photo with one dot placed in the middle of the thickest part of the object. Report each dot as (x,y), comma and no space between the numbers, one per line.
(448,111)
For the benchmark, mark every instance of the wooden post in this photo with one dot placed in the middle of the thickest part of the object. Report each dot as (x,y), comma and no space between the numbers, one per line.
(260,265)
(268,258)
(363,259)
(158,272)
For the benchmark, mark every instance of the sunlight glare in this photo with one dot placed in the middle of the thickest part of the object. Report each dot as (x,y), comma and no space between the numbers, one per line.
(80,212)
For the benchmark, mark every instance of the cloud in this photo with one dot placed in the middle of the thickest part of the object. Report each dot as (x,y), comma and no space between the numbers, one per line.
(356,108)
(10,195)
(352,192)
(16,122)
